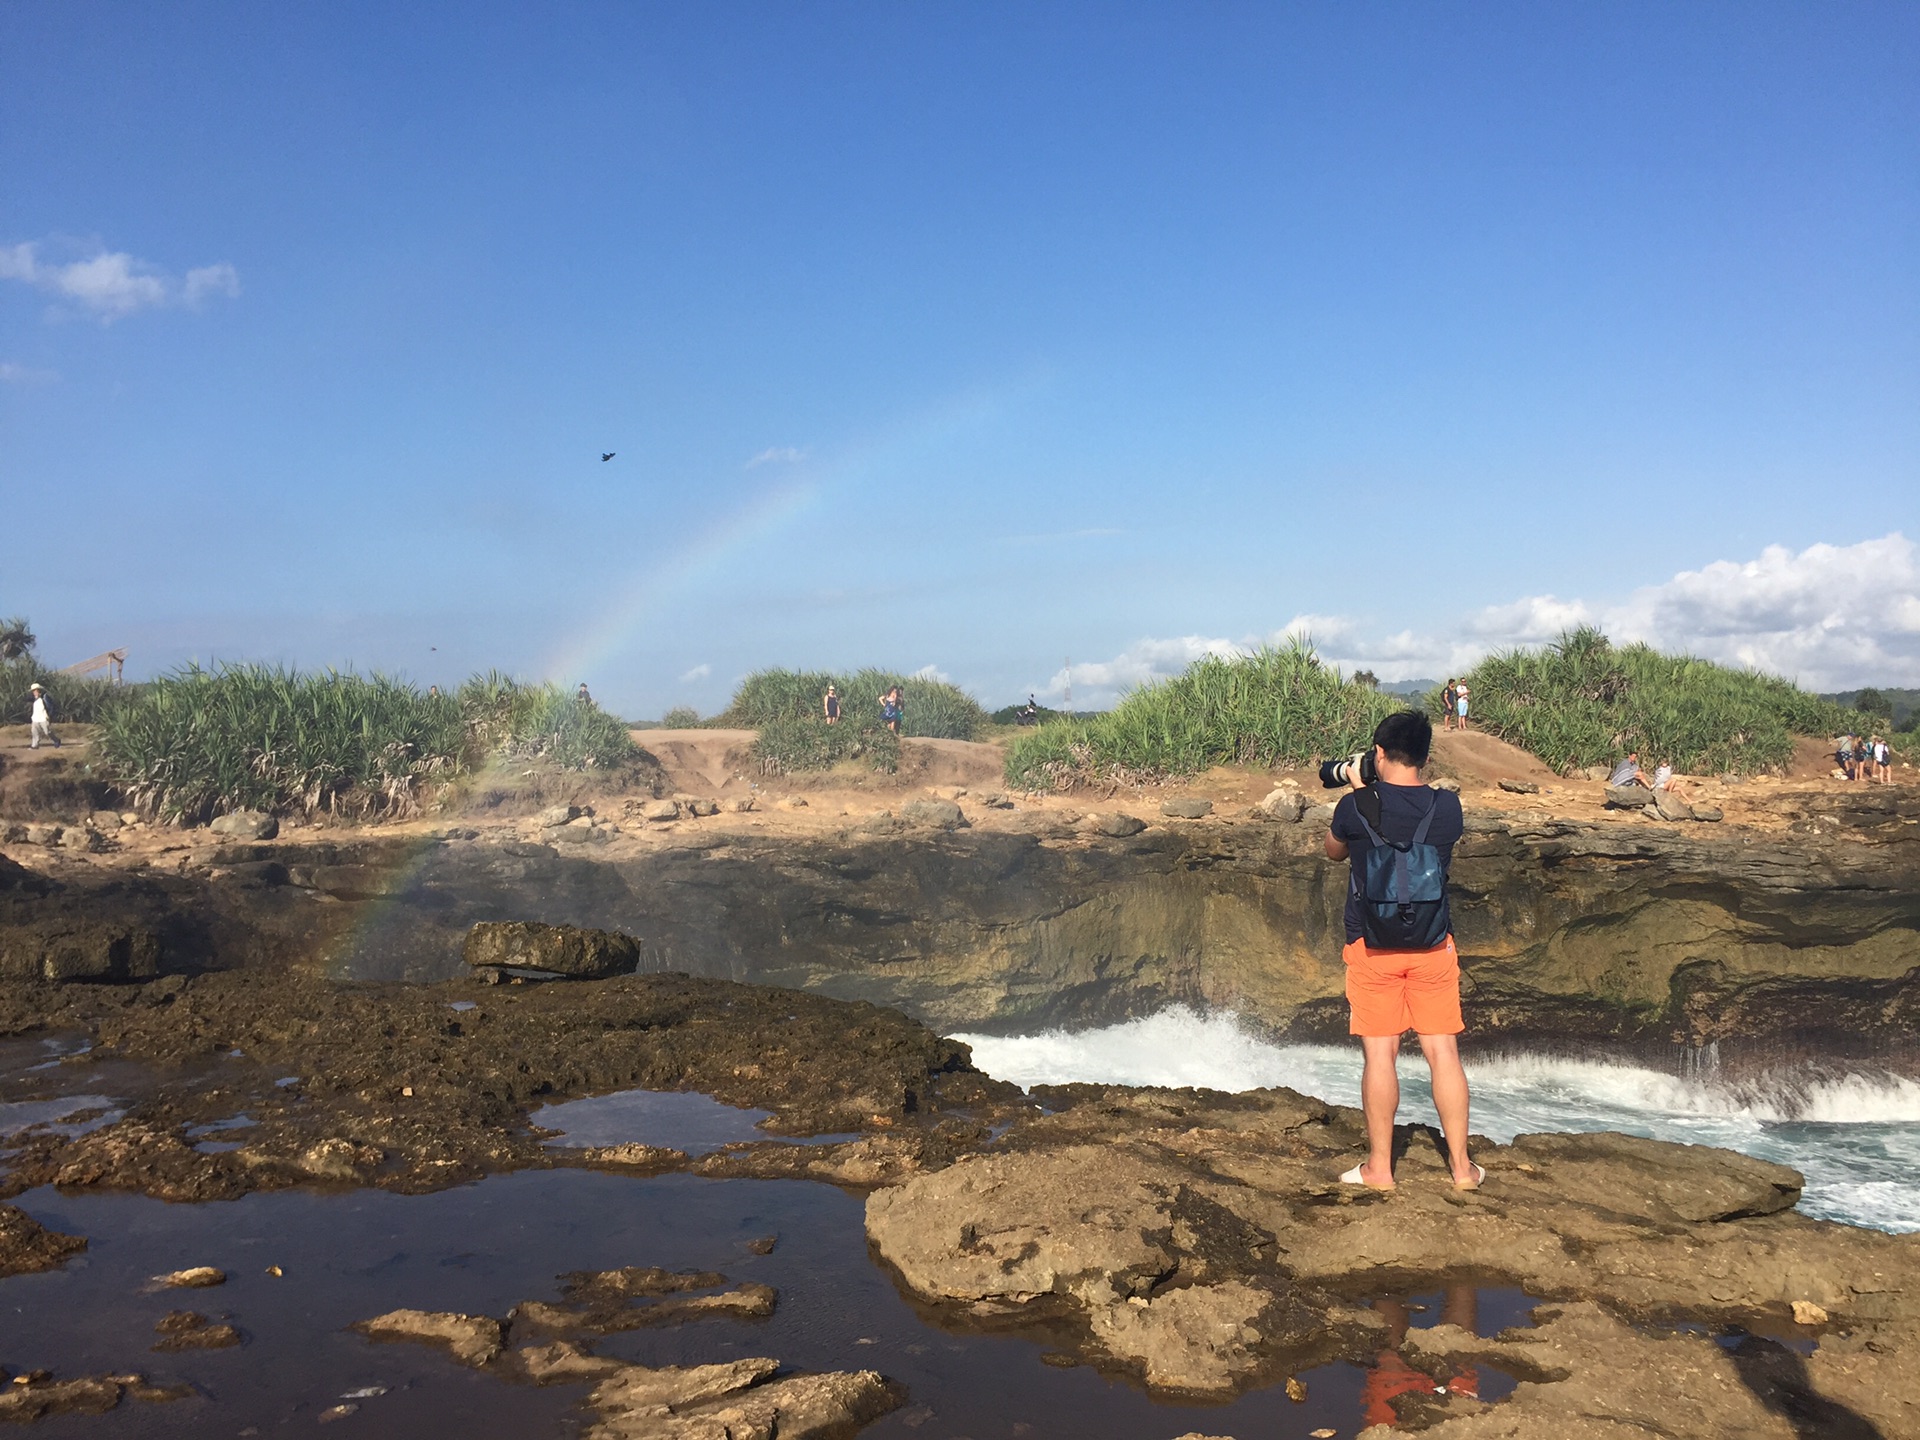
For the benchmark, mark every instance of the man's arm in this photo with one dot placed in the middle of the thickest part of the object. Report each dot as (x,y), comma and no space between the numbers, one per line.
(1336,847)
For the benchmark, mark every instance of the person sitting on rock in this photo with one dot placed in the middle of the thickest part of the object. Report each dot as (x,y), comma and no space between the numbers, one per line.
(1663,780)
(1628,772)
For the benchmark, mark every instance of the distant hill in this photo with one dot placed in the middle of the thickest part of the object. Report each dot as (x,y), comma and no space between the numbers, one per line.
(1407,687)
(1901,704)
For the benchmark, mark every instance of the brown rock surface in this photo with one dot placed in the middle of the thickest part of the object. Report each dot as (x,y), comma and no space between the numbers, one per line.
(26,1245)
(470,1339)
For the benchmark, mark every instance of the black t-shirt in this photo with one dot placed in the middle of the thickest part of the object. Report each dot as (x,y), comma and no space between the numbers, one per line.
(1402,807)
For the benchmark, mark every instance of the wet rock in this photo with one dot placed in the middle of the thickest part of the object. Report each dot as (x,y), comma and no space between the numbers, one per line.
(198,1277)
(470,1339)
(1283,803)
(553,949)
(1628,797)
(941,814)
(713,1402)
(190,1330)
(605,1312)
(38,1399)
(1659,1181)
(1200,1338)
(26,1246)
(79,950)
(246,825)
(559,1361)
(339,1159)
(635,1156)
(1187,807)
(1117,825)
(1805,1312)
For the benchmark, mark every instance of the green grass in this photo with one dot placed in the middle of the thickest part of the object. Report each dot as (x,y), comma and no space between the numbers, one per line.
(1583,701)
(1272,707)
(784,706)
(199,743)
(70,701)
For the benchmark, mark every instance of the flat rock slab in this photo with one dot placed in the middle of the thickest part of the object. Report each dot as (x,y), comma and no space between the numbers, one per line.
(1628,797)
(27,1246)
(941,814)
(1657,1181)
(1116,825)
(1187,807)
(735,1401)
(470,1339)
(555,949)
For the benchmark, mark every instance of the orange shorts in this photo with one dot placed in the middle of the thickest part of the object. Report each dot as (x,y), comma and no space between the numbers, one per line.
(1394,991)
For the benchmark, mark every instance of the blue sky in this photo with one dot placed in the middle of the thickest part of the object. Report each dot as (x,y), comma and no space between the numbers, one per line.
(972,337)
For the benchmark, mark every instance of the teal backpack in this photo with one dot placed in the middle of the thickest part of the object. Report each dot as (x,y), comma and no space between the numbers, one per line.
(1402,889)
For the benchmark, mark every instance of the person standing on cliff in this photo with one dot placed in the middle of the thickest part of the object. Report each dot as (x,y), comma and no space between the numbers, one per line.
(1403,972)
(40,725)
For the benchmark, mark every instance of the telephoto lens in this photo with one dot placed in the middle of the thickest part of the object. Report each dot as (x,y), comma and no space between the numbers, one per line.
(1334,774)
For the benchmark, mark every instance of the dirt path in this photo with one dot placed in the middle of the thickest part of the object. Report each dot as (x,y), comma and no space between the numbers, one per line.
(1476,759)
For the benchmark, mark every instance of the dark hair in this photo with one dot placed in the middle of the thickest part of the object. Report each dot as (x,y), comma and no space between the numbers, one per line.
(1406,736)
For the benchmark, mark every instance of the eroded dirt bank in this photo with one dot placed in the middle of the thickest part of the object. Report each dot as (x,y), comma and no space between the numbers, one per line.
(1194,1241)
(1801,933)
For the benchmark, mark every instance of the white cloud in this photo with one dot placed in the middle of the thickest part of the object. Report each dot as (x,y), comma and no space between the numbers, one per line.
(15,374)
(698,672)
(1831,617)
(1100,682)
(112,284)
(933,672)
(777,455)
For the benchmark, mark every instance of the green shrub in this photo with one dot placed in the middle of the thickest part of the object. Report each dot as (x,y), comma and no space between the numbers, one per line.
(1272,707)
(680,717)
(198,743)
(785,707)
(1583,701)
(71,700)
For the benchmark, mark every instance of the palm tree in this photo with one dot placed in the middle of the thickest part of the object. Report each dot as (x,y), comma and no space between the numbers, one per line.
(16,638)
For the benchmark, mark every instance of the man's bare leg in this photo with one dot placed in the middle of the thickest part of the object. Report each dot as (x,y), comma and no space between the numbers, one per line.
(1450,1099)
(1380,1100)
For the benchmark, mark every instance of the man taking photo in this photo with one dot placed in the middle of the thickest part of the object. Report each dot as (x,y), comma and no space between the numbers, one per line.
(1403,972)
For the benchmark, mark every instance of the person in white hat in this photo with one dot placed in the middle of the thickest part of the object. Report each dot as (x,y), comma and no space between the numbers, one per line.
(42,723)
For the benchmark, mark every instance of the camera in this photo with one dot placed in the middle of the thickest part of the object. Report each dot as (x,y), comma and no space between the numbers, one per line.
(1335,774)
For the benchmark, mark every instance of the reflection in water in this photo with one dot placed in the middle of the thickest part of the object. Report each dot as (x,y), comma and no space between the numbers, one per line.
(1392,1377)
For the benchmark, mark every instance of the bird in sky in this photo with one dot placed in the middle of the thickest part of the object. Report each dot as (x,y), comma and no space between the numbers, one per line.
(606,457)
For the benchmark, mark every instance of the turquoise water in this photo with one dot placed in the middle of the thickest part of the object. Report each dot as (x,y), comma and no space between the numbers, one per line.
(1856,1137)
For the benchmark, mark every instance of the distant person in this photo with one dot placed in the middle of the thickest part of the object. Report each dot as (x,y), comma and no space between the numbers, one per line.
(1029,714)
(1449,698)
(1403,972)
(893,709)
(1862,760)
(432,690)
(830,703)
(40,725)
(1460,704)
(1663,780)
(1882,760)
(1628,772)
(581,694)
(1843,755)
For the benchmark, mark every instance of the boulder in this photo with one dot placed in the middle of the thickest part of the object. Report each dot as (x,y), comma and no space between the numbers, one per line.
(1628,797)
(703,808)
(740,1399)
(197,1277)
(1187,807)
(1669,806)
(246,825)
(76,837)
(943,814)
(582,831)
(1283,803)
(556,815)
(470,1339)
(43,834)
(1595,772)
(105,821)
(794,802)
(190,1330)
(1319,816)
(660,810)
(996,800)
(1117,825)
(1520,787)
(1447,783)
(552,949)
(740,805)
(1708,812)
